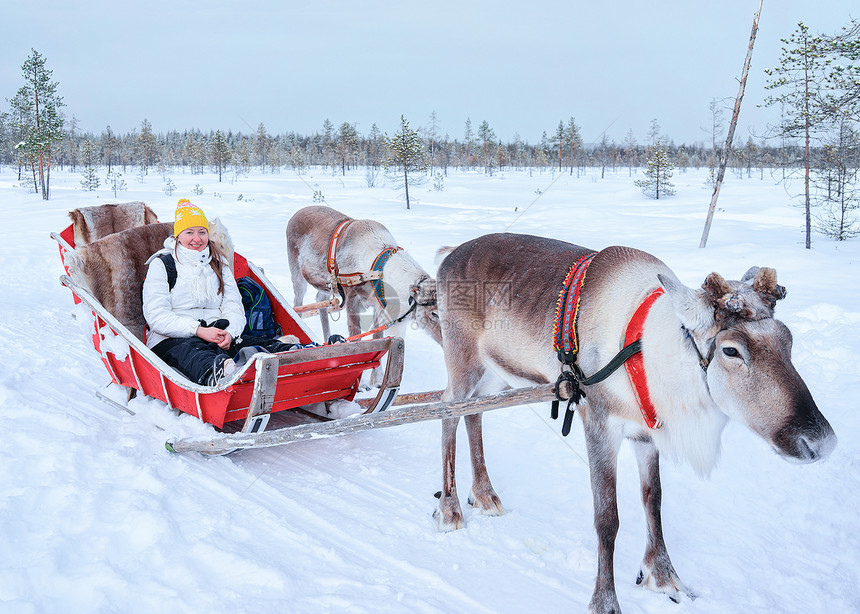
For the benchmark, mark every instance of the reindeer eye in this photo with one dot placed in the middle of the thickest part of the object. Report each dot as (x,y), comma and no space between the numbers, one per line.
(731,352)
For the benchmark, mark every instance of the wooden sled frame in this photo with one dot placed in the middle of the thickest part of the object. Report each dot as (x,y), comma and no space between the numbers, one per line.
(269,383)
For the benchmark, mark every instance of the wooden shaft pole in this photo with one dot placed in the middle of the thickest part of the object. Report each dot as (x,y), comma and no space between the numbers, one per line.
(362,422)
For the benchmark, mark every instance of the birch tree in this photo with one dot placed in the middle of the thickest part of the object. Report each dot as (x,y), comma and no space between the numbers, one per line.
(837,192)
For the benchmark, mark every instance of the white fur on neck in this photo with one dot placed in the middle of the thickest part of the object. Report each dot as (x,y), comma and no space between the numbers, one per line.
(692,423)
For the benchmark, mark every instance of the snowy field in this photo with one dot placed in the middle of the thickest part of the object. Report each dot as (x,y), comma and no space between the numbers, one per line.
(96,517)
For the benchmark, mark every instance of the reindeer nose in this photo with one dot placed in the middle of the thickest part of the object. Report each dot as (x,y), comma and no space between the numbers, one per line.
(806,440)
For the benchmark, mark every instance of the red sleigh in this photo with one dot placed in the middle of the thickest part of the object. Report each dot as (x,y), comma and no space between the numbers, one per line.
(268,384)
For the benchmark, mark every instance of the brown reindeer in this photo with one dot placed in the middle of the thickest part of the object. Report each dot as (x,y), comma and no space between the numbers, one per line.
(708,355)
(405,287)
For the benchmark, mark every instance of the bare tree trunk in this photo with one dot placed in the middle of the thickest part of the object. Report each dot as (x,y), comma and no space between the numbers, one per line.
(806,159)
(724,157)
(35,180)
(406,184)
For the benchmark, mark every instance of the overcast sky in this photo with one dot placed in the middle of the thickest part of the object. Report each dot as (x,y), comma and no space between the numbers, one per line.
(521,66)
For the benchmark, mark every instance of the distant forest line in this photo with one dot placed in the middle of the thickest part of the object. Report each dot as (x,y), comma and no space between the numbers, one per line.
(342,149)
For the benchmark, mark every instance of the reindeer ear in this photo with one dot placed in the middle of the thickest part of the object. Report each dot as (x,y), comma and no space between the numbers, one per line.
(750,274)
(694,312)
(765,285)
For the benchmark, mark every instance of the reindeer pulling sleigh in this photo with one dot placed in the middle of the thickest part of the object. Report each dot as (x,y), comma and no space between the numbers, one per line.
(521,319)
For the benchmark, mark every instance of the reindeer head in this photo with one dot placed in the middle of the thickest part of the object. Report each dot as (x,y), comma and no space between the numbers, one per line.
(748,368)
(423,292)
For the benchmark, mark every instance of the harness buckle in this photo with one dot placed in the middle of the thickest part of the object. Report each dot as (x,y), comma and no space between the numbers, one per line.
(567,388)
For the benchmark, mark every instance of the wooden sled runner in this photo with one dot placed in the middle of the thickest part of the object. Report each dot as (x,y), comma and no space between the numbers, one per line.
(271,383)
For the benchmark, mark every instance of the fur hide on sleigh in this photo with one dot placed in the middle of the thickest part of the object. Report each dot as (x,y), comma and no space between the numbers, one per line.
(94,223)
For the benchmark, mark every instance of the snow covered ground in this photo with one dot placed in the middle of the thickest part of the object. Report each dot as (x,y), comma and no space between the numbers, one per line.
(95,515)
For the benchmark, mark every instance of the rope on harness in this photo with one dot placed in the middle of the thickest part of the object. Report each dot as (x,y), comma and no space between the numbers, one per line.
(412,305)
(574,380)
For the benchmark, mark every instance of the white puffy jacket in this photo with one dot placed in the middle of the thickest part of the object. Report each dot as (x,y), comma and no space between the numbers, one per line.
(177,312)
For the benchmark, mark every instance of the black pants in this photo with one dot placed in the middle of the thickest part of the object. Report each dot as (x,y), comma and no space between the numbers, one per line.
(197,359)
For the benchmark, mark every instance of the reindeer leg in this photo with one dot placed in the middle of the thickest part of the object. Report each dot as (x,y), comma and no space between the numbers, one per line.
(323,295)
(354,304)
(482,496)
(656,573)
(300,286)
(461,383)
(602,448)
(448,513)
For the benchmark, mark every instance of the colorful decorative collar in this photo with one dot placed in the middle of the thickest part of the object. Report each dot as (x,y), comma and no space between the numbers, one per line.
(378,265)
(567,310)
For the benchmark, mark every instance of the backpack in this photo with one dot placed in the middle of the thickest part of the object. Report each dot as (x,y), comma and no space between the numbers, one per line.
(170,267)
(258,310)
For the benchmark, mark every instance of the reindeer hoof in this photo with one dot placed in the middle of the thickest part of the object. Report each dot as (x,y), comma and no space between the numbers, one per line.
(667,583)
(489,504)
(448,515)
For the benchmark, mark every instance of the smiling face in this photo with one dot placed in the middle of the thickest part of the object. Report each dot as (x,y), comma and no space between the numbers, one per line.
(195,238)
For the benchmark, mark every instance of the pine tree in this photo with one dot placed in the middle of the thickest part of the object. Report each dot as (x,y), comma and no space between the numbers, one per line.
(630,147)
(115,182)
(347,144)
(220,152)
(38,107)
(468,142)
(327,138)
(109,145)
(558,143)
(146,147)
(405,156)
(573,140)
(241,158)
(431,133)
(89,160)
(488,138)
(656,182)
(800,79)
(843,78)
(262,145)
(374,142)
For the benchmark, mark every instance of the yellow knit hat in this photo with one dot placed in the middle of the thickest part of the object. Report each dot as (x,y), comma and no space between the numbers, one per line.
(188,215)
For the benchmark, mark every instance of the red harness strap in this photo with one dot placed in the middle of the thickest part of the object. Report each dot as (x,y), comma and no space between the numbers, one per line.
(635,365)
(332,247)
